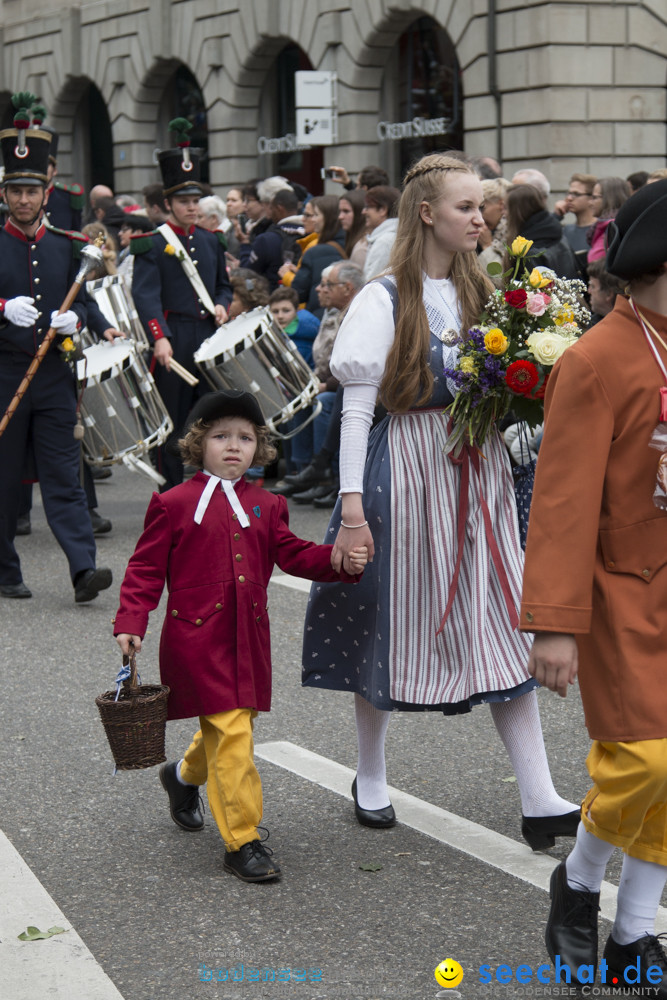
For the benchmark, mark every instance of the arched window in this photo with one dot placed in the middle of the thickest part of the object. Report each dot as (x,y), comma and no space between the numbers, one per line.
(92,147)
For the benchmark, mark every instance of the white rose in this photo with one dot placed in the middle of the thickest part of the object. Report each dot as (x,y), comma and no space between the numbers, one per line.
(547,346)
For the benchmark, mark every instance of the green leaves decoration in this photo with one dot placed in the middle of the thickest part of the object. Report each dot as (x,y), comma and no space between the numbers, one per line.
(34,933)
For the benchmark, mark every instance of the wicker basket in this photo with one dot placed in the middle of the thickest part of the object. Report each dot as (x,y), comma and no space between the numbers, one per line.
(135,723)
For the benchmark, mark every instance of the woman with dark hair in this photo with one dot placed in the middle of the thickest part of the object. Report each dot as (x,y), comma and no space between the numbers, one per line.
(527,217)
(432,624)
(250,290)
(380,212)
(609,194)
(328,250)
(353,223)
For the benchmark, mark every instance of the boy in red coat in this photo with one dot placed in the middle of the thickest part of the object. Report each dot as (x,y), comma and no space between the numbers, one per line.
(215,541)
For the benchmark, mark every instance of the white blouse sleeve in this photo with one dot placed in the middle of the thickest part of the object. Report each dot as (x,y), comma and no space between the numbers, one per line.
(364,338)
(358,410)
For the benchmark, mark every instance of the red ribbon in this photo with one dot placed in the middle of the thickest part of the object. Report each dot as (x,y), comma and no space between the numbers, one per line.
(663,402)
(466,456)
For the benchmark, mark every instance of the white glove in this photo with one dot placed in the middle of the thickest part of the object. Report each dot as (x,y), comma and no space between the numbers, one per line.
(65,323)
(21,311)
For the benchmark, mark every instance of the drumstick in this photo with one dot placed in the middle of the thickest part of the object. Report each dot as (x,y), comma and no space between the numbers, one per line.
(182,372)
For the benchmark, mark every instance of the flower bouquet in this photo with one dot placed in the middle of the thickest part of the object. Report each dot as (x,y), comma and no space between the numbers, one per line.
(505,362)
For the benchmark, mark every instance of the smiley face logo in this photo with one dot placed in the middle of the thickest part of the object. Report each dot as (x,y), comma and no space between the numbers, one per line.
(449,973)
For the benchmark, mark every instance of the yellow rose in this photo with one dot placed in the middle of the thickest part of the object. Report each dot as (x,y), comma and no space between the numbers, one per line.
(495,341)
(169,250)
(68,344)
(520,246)
(536,279)
(468,366)
(547,346)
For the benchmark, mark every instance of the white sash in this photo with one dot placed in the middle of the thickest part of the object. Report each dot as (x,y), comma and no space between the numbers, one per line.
(191,272)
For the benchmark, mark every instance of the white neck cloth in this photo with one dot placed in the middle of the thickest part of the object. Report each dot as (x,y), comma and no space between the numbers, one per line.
(227,485)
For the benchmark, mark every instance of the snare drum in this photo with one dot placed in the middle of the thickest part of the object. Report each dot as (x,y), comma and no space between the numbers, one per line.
(115,302)
(123,414)
(254,354)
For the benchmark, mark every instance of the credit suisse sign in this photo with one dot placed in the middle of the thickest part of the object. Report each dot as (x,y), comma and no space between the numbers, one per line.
(416,127)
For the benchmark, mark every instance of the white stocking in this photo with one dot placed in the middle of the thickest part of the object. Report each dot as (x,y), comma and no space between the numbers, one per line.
(371,771)
(518,724)
(586,864)
(639,893)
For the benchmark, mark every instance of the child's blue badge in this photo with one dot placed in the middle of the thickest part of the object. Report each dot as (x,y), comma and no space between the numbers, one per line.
(256,511)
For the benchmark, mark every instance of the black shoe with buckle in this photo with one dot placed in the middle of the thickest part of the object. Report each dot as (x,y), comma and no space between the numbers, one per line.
(185,804)
(252,863)
(649,951)
(572,927)
(89,583)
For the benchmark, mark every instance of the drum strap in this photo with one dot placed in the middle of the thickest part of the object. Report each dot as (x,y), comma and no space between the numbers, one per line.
(191,272)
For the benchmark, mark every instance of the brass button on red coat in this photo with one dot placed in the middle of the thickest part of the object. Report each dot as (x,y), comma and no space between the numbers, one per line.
(236,537)
(235,517)
(238,557)
(241,579)
(174,613)
(218,606)
(198,622)
(258,619)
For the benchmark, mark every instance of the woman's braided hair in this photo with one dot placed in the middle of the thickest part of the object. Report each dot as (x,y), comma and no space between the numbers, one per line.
(408,379)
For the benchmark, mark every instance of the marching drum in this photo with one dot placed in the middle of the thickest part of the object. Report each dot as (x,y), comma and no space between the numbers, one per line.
(115,302)
(253,353)
(123,414)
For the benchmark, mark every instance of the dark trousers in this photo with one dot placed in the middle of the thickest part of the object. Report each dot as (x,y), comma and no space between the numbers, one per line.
(45,417)
(177,395)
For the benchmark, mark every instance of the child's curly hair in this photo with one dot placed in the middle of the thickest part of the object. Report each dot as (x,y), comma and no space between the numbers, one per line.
(192,445)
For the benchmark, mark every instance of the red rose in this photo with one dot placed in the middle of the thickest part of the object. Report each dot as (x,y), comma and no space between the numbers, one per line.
(517,298)
(539,393)
(521,377)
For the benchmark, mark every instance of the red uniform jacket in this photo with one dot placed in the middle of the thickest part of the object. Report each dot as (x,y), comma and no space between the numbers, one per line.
(215,651)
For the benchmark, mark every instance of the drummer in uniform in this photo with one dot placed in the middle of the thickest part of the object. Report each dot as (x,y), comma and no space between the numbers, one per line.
(37,269)
(180,288)
(65,202)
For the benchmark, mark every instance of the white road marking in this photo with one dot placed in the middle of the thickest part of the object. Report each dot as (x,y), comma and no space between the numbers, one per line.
(294,582)
(470,838)
(60,967)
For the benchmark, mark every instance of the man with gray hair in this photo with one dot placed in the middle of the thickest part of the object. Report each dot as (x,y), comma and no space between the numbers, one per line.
(267,253)
(536,179)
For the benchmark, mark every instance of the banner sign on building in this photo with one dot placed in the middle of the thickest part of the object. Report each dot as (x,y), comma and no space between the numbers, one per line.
(316,98)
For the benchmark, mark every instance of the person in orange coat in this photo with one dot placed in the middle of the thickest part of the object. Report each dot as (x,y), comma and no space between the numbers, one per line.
(595,594)
(215,541)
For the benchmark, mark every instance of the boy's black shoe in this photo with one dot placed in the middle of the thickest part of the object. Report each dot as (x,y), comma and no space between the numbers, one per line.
(252,863)
(572,927)
(649,951)
(184,800)
(23,525)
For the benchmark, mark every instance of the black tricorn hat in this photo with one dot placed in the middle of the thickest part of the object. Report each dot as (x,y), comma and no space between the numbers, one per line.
(227,403)
(636,240)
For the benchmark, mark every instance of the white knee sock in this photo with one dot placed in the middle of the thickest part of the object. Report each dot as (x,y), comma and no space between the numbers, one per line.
(518,724)
(178,774)
(639,893)
(586,864)
(371,771)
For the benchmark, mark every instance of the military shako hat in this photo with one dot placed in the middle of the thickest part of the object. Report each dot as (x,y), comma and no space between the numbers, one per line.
(25,148)
(636,242)
(180,167)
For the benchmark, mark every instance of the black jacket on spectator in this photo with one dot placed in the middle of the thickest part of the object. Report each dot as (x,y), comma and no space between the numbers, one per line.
(550,247)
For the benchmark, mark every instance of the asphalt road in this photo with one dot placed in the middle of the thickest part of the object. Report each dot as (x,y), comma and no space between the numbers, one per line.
(153,904)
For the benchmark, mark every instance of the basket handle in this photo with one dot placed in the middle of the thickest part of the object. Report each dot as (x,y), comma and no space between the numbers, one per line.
(131,681)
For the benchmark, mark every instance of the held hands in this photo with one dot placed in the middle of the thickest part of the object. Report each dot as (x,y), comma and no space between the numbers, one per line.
(128,643)
(358,558)
(553,661)
(65,323)
(21,311)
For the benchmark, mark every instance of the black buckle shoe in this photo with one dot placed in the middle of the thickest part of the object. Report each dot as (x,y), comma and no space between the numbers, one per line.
(541,831)
(185,804)
(252,863)
(89,584)
(372,817)
(572,927)
(649,951)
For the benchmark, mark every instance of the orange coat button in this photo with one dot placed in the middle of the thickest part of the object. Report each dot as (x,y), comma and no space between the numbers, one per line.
(611,564)
(238,557)
(646,572)
(529,616)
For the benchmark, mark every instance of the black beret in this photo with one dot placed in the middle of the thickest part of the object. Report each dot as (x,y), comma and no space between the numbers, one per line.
(637,237)
(227,403)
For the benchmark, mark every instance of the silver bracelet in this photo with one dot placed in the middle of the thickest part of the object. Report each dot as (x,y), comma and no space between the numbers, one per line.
(344,525)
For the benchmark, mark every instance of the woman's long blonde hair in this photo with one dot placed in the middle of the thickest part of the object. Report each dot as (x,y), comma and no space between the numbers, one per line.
(408,380)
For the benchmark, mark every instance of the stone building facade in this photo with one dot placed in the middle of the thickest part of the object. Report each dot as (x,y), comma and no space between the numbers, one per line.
(557,85)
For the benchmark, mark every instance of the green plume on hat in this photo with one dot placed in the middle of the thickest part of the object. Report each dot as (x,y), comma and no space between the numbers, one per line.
(181,127)
(24,103)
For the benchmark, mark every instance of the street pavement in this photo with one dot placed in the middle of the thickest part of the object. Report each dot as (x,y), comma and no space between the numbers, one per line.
(149,910)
